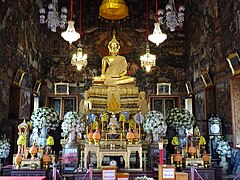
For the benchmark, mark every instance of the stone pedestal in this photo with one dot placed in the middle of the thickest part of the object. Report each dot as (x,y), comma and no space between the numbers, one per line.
(224,164)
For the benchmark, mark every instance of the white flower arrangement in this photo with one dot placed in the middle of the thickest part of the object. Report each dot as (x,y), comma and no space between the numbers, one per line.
(223,148)
(45,117)
(4,147)
(178,118)
(73,120)
(155,123)
(143,178)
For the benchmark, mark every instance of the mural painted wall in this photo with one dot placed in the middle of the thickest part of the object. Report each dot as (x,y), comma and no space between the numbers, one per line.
(213,31)
(19,38)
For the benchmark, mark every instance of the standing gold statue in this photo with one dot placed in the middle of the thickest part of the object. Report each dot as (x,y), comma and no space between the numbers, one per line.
(85,105)
(114,66)
(143,104)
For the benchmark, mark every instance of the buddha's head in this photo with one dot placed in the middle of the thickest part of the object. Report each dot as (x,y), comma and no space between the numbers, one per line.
(113,45)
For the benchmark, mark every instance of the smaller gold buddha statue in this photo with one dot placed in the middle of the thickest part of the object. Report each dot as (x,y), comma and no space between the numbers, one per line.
(114,67)
(113,125)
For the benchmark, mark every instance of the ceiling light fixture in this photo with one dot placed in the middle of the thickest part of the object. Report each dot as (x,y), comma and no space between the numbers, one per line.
(172,17)
(53,20)
(79,59)
(70,34)
(113,10)
(157,36)
(147,60)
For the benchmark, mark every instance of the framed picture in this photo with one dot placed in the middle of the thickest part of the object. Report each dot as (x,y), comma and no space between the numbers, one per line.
(18,77)
(189,88)
(36,86)
(25,103)
(206,79)
(234,63)
(61,88)
(164,89)
(164,103)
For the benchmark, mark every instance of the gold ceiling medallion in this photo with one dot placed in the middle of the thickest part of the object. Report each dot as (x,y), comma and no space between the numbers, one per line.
(113,9)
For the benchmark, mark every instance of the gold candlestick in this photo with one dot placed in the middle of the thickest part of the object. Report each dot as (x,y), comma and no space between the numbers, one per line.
(139,131)
(102,125)
(86,130)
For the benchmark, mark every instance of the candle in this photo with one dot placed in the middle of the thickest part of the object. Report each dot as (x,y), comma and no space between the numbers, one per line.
(123,126)
(102,126)
(86,130)
(139,131)
(121,136)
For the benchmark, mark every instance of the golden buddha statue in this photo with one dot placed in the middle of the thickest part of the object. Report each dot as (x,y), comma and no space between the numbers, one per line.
(114,67)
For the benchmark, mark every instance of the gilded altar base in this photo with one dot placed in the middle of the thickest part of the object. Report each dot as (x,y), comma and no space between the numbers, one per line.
(126,96)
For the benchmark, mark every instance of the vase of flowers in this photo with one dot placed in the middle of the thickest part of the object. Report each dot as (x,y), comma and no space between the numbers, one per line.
(4,148)
(155,123)
(223,150)
(45,117)
(180,118)
(73,121)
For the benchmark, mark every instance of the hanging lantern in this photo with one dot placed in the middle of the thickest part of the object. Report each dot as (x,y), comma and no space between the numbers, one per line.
(113,9)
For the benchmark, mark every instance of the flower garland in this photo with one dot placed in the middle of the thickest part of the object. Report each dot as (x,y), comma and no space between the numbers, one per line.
(155,123)
(202,141)
(178,118)
(223,148)
(73,120)
(50,141)
(175,141)
(4,147)
(45,117)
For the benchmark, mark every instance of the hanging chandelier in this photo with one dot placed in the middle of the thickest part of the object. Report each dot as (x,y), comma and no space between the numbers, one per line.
(79,59)
(157,36)
(70,34)
(147,60)
(172,17)
(53,20)
(113,9)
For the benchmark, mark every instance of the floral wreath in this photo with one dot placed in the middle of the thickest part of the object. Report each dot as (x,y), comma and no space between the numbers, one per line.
(180,118)
(45,117)
(4,147)
(155,123)
(73,120)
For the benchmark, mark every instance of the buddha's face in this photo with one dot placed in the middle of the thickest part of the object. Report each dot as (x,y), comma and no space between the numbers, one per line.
(113,48)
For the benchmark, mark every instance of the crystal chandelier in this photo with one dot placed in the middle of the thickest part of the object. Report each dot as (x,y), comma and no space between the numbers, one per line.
(157,36)
(53,20)
(70,34)
(172,17)
(148,60)
(79,59)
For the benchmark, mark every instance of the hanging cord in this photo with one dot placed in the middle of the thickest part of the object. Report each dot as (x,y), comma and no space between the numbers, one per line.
(71,9)
(147,20)
(156,11)
(80,18)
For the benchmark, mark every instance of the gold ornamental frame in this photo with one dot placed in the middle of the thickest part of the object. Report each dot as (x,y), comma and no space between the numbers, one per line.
(164,89)
(18,77)
(61,88)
